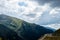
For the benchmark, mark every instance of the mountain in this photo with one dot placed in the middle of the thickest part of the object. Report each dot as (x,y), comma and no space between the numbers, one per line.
(52,36)
(25,30)
(8,34)
(56,33)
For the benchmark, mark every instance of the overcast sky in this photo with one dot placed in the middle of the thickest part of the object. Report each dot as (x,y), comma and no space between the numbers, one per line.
(42,12)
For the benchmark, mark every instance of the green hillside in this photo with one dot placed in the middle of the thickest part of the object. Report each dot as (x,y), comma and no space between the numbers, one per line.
(11,22)
(25,30)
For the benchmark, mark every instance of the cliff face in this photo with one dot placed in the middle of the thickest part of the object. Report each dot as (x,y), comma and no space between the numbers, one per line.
(53,36)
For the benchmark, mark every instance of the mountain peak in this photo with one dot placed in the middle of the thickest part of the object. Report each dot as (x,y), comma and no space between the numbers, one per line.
(25,30)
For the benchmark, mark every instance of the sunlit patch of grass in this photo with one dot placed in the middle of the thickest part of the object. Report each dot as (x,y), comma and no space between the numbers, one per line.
(0,38)
(17,23)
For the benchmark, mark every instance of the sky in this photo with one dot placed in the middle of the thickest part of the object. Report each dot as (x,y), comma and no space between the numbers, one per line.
(41,12)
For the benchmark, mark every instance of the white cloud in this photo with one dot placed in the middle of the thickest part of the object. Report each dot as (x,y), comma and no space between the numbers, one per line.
(31,11)
(55,26)
(50,18)
(55,11)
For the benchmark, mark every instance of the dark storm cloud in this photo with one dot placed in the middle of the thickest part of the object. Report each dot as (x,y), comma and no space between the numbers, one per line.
(54,3)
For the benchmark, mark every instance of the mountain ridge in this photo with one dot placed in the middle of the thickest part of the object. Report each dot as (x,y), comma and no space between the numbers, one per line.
(27,31)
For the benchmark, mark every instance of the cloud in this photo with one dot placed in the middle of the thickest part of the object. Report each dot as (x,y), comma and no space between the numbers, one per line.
(50,17)
(40,12)
(22,4)
(18,8)
(55,26)
(54,3)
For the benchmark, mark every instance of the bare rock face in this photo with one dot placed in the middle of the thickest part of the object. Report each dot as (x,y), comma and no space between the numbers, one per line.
(53,36)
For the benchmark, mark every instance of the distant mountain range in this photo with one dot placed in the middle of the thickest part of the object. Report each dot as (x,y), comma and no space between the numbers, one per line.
(24,30)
